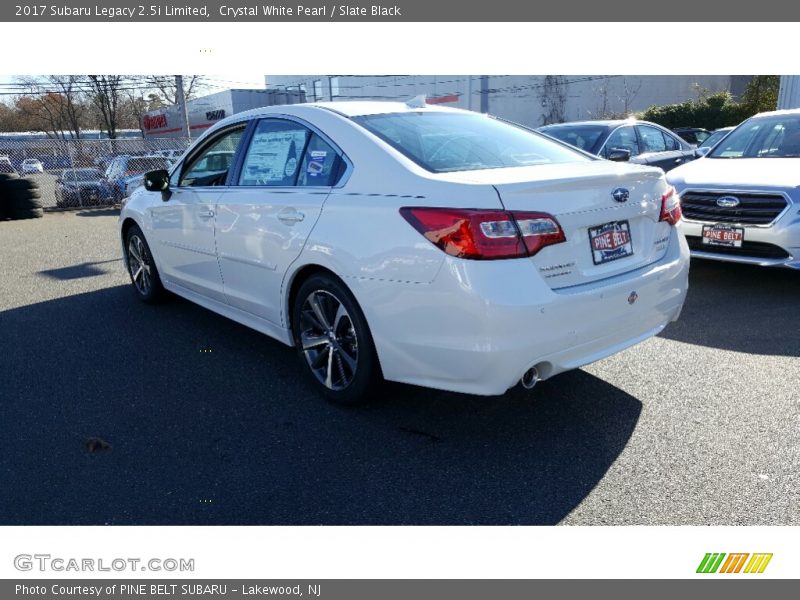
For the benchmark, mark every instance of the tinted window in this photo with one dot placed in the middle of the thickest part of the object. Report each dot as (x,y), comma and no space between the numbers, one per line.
(147,163)
(275,153)
(624,138)
(768,137)
(652,140)
(714,138)
(321,164)
(671,142)
(584,137)
(82,175)
(443,142)
(210,166)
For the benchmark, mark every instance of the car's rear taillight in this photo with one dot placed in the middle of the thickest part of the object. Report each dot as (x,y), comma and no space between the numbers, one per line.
(485,234)
(670,207)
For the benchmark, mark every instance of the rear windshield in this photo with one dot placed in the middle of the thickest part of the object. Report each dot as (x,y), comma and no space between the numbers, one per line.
(584,137)
(445,142)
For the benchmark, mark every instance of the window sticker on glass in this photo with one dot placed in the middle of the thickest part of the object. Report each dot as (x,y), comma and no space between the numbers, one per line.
(274,154)
(316,163)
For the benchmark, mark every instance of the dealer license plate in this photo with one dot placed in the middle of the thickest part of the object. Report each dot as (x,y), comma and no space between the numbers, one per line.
(723,235)
(611,241)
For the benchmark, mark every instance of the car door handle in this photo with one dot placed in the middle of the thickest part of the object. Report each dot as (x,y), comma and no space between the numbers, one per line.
(678,160)
(290,216)
(206,214)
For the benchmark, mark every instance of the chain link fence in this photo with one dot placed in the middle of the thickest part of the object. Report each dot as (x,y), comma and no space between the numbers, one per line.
(87,173)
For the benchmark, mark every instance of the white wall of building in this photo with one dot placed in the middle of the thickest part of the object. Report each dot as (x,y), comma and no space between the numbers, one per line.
(525,99)
(789,93)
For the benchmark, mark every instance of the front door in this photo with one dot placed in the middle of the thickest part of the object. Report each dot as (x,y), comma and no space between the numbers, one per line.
(183,226)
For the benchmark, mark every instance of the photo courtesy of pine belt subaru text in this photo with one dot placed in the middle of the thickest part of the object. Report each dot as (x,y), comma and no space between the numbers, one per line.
(413,243)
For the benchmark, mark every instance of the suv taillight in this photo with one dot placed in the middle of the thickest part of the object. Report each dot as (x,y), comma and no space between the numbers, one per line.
(670,207)
(485,234)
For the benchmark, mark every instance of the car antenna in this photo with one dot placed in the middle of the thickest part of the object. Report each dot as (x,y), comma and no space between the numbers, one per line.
(417,101)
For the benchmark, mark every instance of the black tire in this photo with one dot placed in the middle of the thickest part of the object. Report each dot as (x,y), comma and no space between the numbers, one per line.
(30,213)
(352,373)
(23,201)
(20,184)
(147,282)
(34,193)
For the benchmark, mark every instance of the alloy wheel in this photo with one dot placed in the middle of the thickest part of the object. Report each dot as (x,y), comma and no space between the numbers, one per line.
(328,340)
(139,265)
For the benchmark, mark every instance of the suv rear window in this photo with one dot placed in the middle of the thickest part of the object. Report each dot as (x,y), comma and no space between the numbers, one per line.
(445,142)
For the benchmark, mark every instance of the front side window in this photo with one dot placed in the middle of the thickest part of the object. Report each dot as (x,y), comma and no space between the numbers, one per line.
(766,137)
(210,166)
(275,154)
(444,142)
(623,138)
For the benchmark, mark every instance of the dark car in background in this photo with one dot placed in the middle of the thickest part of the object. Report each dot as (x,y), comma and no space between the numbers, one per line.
(693,135)
(625,140)
(125,173)
(82,187)
(716,136)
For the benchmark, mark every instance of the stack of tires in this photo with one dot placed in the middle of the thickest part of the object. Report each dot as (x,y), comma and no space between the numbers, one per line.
(19,198)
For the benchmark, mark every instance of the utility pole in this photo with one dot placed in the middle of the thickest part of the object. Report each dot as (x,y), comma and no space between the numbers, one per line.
(181,100)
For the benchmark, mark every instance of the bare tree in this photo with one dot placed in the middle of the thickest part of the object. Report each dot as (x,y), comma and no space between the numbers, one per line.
(106,96)
(608,107)
(629,93)
(553,95)
(164,86)
(54,104)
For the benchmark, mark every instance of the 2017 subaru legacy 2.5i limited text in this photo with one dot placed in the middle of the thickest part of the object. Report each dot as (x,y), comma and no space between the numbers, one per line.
(420,244)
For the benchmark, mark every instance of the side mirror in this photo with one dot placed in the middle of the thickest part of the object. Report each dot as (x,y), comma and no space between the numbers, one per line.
(700,152)
(158,181)
(619,154)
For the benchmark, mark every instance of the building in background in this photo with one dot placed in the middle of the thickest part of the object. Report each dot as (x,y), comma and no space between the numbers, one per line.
(789,93)
(203,112)
(532,100)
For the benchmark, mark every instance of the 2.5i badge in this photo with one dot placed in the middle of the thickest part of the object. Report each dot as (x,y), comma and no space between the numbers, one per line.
(610,241)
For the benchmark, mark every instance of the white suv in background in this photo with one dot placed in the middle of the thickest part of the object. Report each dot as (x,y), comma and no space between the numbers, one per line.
(741,202)
(427,245)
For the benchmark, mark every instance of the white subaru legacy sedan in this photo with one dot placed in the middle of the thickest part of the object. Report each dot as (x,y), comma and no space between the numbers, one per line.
(420,244)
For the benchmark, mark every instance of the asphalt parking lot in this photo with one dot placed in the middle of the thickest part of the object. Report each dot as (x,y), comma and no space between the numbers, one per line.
(115,412)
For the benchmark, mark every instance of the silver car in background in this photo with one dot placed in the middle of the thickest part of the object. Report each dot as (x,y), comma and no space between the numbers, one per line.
(741,202)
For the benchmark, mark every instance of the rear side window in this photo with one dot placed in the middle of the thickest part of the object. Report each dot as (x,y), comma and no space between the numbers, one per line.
(446,142)
(275,154)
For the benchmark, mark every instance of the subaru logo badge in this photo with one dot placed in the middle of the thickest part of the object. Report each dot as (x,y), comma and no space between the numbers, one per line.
(620,195)
(727,201)
(633,297)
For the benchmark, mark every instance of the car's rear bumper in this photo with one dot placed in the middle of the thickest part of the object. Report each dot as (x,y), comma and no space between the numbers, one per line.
(481,324)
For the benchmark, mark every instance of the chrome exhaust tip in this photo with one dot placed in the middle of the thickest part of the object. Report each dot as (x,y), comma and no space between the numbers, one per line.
(530,378)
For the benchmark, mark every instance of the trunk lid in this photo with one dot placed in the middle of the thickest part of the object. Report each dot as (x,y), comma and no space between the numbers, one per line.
(605,236)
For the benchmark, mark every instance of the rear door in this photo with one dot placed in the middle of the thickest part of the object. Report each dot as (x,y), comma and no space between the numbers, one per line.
(661,149)
(286,174)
